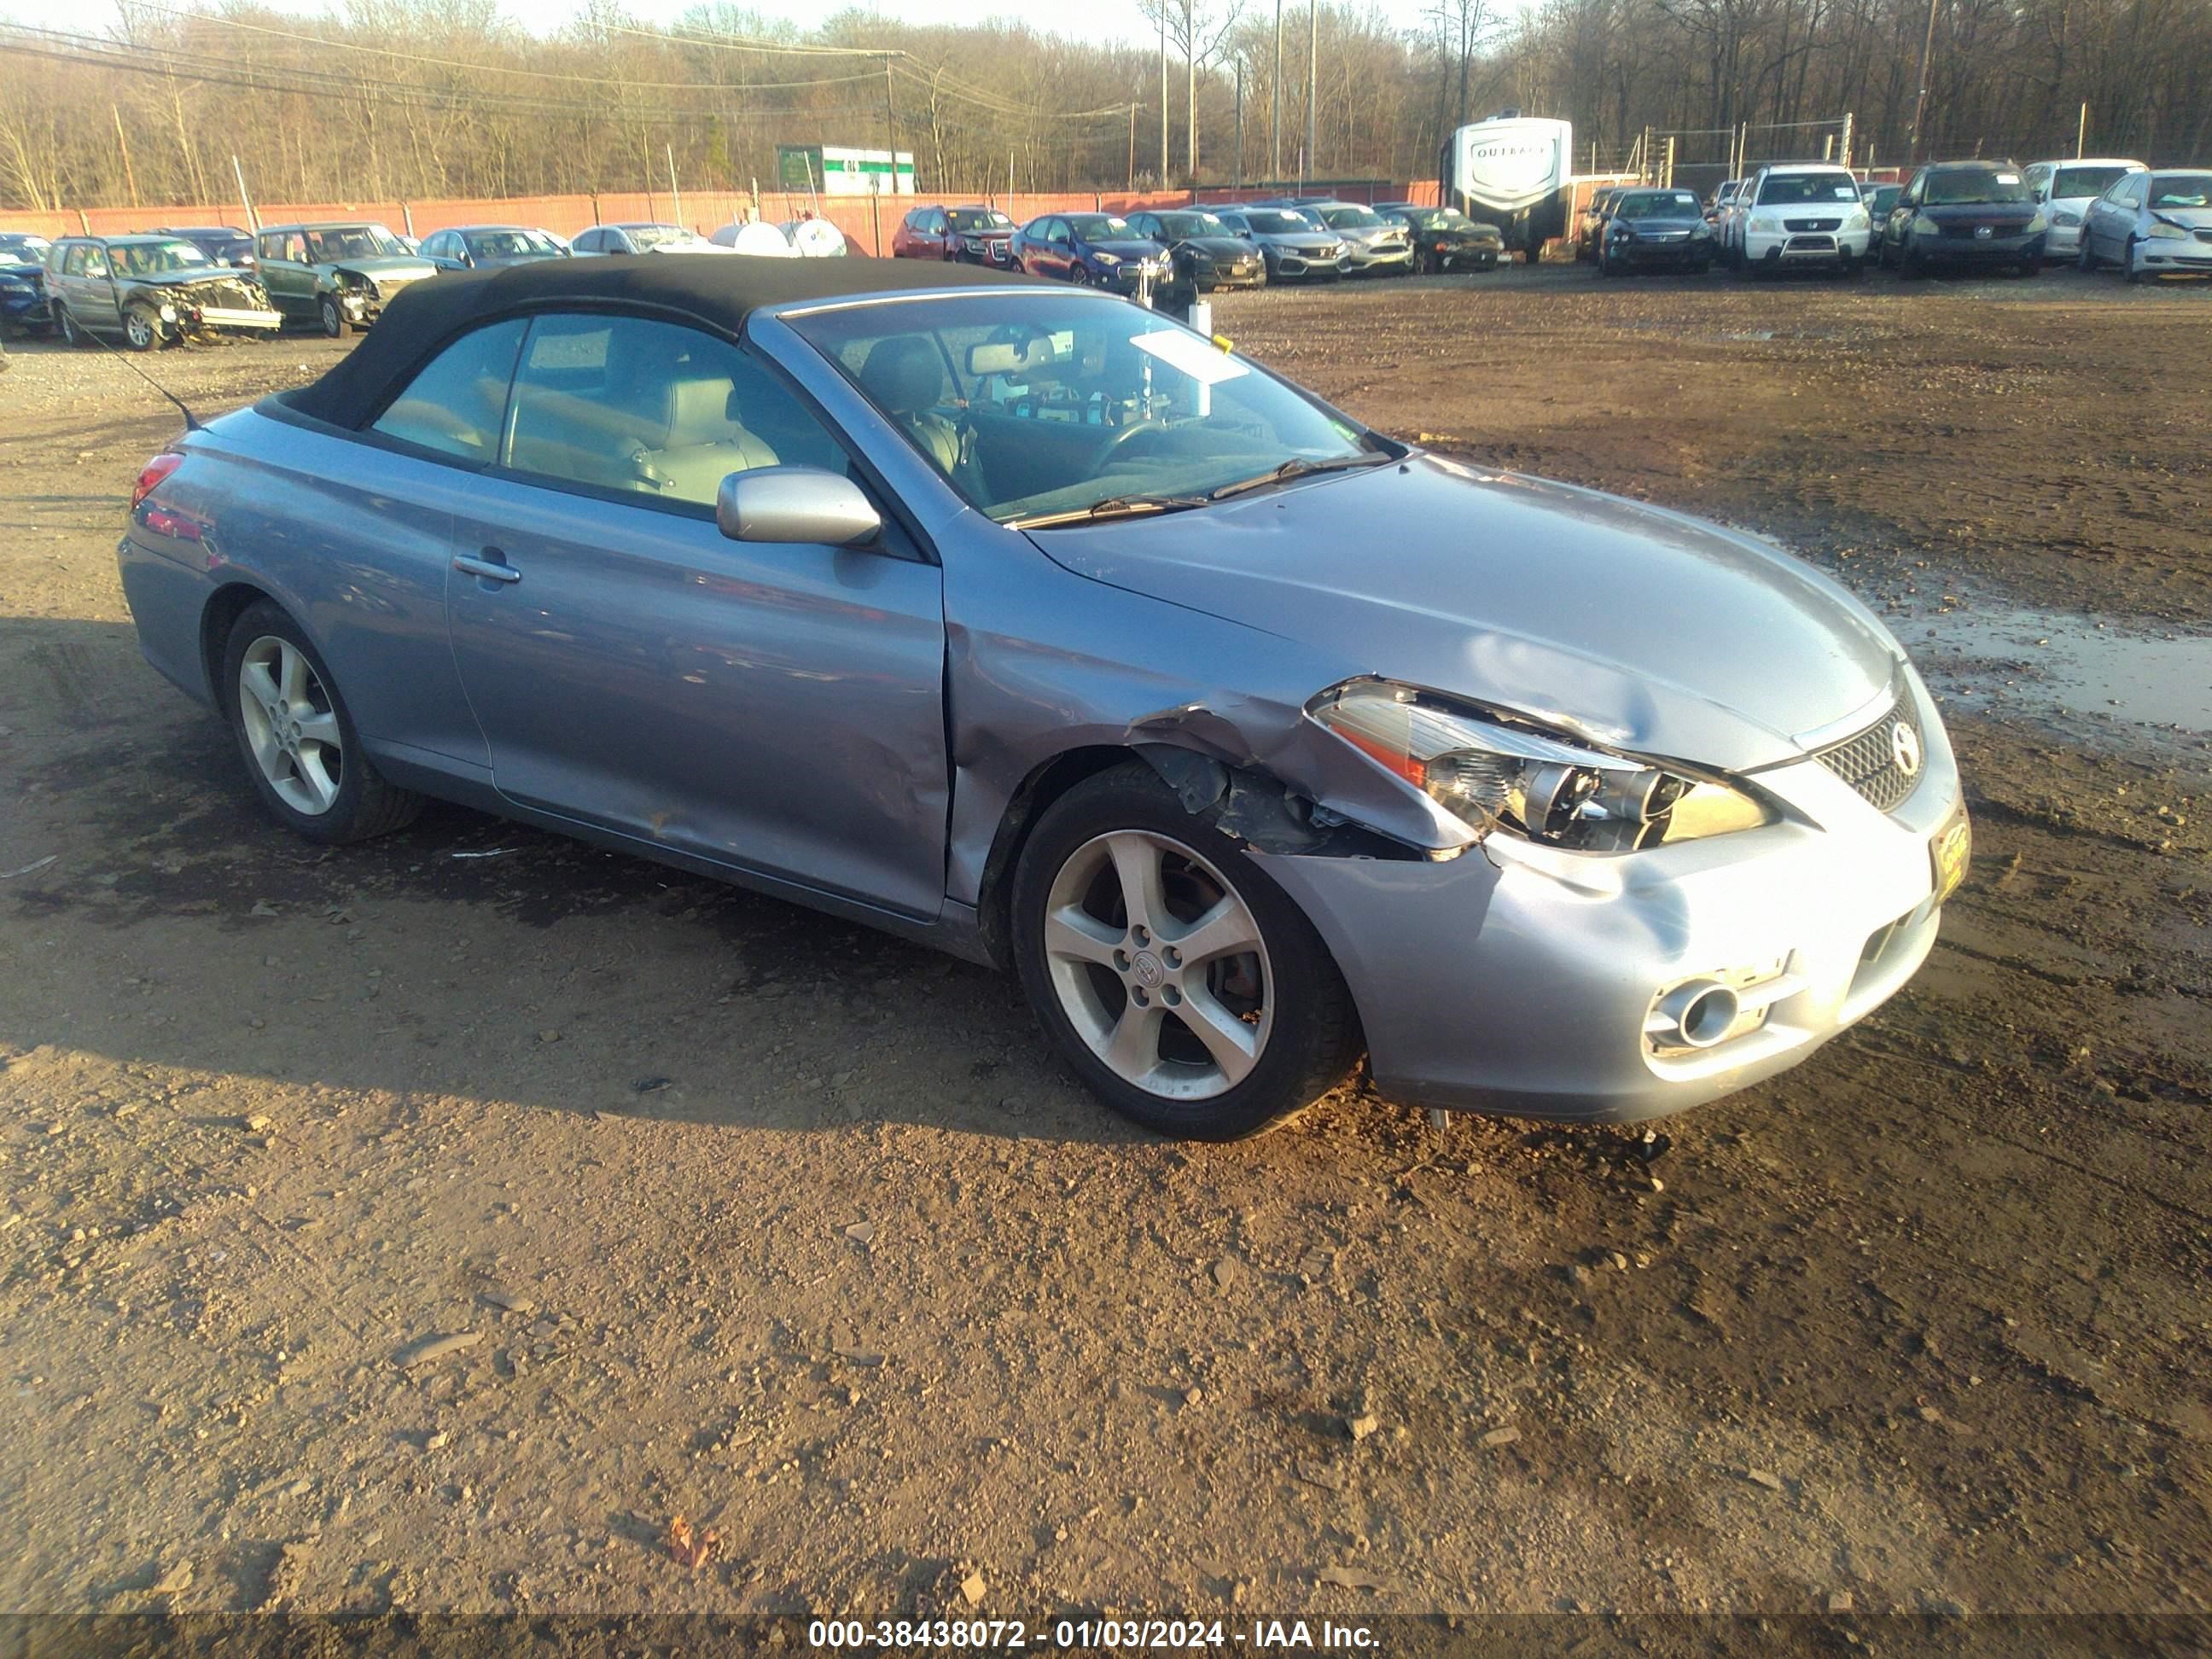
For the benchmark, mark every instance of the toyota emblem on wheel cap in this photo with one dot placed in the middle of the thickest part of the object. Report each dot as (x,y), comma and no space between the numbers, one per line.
(1905,747)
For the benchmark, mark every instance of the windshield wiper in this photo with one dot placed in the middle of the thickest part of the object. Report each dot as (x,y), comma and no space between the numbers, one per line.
(1114,507)
(1299,467)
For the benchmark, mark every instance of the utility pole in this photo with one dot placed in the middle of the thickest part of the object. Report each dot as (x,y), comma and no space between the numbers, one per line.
(1313,81)
(675,195)
(1163,97)
(1190,98)
(2081,135)
(891,126)
(254,219)
(123,144)
(1240,127)
(1132,147)
(1276,105)
(1920,102)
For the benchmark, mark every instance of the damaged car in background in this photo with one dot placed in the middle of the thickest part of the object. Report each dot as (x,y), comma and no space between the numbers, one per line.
(152,290)
(336,276)
(1026,623)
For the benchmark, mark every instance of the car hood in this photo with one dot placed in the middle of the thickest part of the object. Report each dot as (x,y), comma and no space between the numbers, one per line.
(1468,234)
(192,279)
(1671,226)
(1299,241)
(1637,628)
(998,233)
(1217,247)
(2195,218)
(1137,248)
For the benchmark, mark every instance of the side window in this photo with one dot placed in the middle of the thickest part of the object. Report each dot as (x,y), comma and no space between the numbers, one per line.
(95,262)
(295,247)
(653,408)
(265,247)
(454,404)
(73,260)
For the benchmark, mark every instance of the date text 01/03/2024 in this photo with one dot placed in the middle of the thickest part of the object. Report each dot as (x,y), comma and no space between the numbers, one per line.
(1014,1634)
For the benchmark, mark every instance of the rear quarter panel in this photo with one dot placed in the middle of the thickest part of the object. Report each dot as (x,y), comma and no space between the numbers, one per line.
(352,540)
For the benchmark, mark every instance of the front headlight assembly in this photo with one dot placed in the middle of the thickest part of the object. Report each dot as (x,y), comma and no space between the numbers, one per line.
(2166,233)
(1495,772)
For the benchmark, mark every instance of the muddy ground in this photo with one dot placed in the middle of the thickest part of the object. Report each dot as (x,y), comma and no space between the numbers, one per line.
(794,1230)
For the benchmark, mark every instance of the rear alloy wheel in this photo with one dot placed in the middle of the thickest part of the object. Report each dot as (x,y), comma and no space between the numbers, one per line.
(333,319)
(1183,987)
(302,753)
(141,330)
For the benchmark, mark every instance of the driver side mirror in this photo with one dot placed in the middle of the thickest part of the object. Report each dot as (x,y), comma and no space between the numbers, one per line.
(795,504)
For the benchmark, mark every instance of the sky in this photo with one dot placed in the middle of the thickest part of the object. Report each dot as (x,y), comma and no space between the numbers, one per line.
(1114,19)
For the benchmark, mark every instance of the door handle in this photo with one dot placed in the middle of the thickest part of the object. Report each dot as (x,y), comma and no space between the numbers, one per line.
(492,566)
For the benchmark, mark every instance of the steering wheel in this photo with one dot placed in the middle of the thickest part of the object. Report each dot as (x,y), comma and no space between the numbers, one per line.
(1123,434)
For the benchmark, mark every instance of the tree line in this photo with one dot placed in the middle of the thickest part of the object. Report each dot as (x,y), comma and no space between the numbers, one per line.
(426,99)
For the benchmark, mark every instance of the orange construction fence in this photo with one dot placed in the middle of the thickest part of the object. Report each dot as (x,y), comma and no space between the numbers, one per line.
(867,221)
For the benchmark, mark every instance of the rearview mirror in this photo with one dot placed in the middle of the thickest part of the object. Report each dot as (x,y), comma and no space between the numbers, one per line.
(794,504)
(1028,355)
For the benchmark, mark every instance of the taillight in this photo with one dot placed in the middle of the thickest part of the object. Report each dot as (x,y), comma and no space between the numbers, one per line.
(153,472)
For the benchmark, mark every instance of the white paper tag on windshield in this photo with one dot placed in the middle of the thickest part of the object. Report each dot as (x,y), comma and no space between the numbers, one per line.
(1206,364)
(2007,178)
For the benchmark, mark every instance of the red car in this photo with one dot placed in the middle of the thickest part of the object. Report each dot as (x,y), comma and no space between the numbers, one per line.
(973,235)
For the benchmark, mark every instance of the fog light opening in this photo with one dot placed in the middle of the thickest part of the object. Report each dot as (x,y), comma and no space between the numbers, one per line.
(1702,1013)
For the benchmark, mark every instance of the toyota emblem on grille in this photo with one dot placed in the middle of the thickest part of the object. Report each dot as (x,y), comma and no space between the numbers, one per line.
(1905,747)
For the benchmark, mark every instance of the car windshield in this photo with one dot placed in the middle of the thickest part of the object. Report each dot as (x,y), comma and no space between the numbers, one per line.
(1798,189)
(1278,221)
(1042,405)
(2181,190)
(1351,218)
(1659,205)
(353,242)
(1974,185)
(1193,224)
(155,258)
(1099,227)
(2071,183)
(979,219)
(646,238)
(29,247)
(511,245)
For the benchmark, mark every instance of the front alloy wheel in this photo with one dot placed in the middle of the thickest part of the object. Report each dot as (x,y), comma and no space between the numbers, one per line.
(1184,987)
(141,331)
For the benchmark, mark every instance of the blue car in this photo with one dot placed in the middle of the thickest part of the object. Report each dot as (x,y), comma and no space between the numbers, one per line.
(23,296)
(1024,622)
(1096,249)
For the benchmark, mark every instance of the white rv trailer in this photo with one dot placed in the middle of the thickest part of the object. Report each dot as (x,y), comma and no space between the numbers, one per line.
(1516,172)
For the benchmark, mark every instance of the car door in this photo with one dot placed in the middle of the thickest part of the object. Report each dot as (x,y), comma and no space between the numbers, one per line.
(99,303)
(775,708)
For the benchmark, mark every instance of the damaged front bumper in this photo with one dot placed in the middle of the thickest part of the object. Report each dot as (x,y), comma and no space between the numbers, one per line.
(1522,980)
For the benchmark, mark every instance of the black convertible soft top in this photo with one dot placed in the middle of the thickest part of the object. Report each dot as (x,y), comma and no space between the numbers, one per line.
(716,288)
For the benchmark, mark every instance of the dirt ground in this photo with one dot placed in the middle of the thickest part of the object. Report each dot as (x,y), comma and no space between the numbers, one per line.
(794,1230)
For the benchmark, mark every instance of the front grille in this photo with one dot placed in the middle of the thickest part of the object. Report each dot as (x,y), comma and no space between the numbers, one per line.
(1812,244)
(1870,762)
(2205,235)
(1812,224)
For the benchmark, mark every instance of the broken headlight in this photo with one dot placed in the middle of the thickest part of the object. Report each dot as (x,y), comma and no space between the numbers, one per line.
(1498,773)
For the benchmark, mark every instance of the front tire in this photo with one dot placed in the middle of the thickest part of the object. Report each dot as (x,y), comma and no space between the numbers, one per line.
(302,752)
(2131,264)
(2084,259)
(333,319)
(71,334)
(144,332)
(1178,981)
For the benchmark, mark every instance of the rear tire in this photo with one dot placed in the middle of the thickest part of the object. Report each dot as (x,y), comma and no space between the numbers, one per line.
(1206,1048)
(302,750)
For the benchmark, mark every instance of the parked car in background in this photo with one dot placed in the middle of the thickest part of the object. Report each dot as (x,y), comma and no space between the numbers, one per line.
(1966,216)
(971,234)
(226,245)
(2066,189)
(1656,230)
(641,238)
(1879,200)
(1590,227)
(482,248)
(1026,623)
(1444,239)
(153,290)
(1722,197)
(338,275)
(1204,254)
(1802,215)
(22,296)
(24,245)
(2152,224)
(1294,246)
(1098,249)
(1374,245)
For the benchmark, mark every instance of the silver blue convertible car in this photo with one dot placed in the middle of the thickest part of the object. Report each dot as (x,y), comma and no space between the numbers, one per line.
(1024,622)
